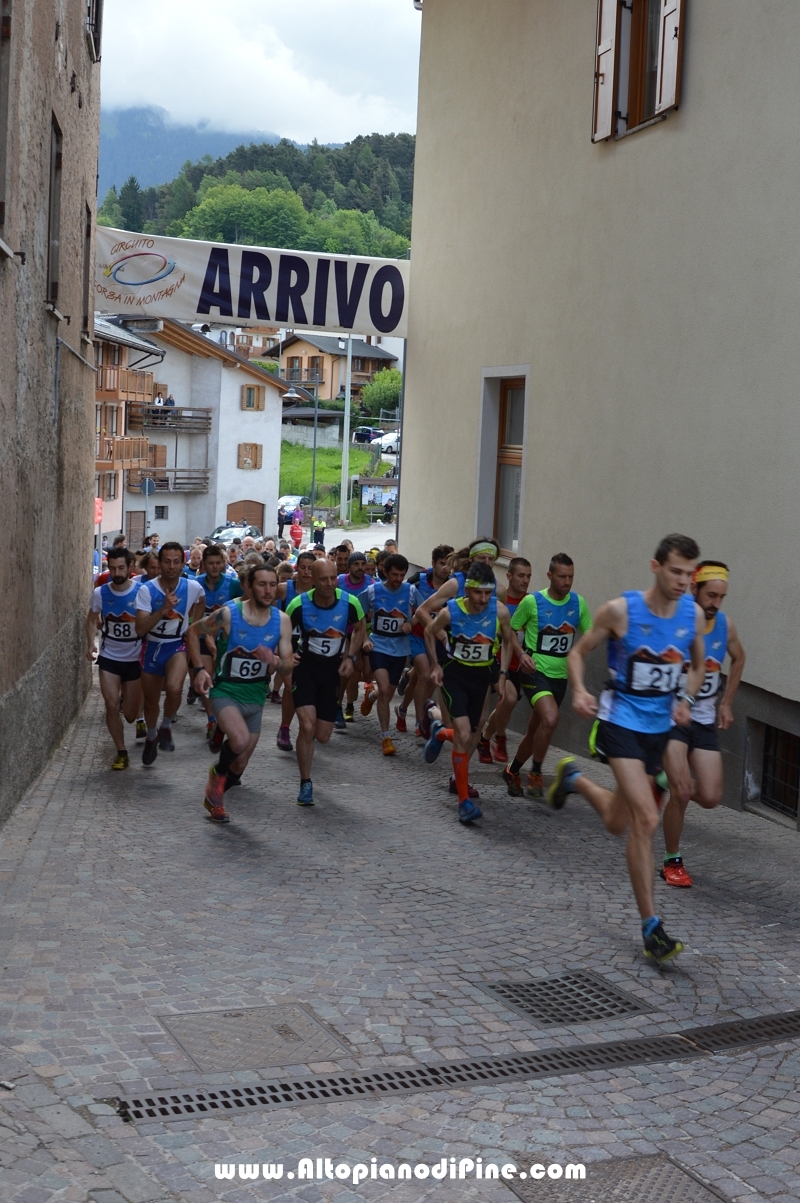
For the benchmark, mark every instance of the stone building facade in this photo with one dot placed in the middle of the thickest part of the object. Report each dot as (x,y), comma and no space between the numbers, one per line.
(49,128)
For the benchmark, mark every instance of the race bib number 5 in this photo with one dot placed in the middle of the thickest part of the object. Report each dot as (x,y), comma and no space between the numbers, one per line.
(654,679)
(325,645)
(472,653)
(710,686)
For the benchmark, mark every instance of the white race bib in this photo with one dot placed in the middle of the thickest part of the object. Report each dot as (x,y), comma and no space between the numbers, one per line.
(241,668)
(167,628)
(472,653)
(710,686)
(120,630)
(556,645)
(325,645)
(387,624)
(654,678)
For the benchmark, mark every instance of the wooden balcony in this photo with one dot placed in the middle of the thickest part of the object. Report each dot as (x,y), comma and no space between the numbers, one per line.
(114,453)
(123,384)
(142,416)
(172,480)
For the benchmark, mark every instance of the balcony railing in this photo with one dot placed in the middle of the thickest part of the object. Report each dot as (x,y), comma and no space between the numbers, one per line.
(302,376)
(172,480)
(168,417)
(114,452)
(124,384)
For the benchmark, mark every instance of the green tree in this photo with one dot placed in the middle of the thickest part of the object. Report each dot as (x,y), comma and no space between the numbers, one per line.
(230,213)
(109,213)
(384,392)
(131,204)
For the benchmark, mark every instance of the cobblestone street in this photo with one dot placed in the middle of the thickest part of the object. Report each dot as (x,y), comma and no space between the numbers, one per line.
(379,916)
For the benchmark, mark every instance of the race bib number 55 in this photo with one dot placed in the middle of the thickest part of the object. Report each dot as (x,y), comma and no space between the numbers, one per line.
(472,653)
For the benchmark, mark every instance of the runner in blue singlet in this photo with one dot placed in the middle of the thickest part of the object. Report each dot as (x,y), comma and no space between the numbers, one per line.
(652,635)
(287,592)
(419,688)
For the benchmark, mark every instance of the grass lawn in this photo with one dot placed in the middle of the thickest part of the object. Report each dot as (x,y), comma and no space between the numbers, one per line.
(296,468)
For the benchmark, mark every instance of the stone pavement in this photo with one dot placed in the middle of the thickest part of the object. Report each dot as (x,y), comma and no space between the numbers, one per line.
(122,907)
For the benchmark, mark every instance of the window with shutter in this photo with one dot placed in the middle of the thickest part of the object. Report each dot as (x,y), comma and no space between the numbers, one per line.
(637,64)
(157,455)
(54,211)
(253,396)
(249,458)
(509,465)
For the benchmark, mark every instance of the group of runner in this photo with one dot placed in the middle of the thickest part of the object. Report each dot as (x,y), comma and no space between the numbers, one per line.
(452,640)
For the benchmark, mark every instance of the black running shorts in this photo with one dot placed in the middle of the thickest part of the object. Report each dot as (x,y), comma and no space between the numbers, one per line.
(698,737)
(465,691)
(315,682)
(620,743)
(536,685)
(126,670)
(393,665)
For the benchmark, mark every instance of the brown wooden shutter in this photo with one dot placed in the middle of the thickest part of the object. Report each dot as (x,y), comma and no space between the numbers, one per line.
(249,457)
(605,69)
(670,55)
(259,450)
(157,455)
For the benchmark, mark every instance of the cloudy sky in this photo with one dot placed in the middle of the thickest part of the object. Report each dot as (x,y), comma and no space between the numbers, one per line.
(326,69)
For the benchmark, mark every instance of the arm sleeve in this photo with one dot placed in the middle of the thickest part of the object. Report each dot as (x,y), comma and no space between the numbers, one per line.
(144,600)
(356,612)
(585,619)
(295,611)
(96,605)
(524,612)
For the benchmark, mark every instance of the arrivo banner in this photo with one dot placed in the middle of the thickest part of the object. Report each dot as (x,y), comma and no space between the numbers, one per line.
(191,281)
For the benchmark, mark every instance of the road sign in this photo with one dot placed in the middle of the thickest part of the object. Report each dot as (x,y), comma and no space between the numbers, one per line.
(148,486)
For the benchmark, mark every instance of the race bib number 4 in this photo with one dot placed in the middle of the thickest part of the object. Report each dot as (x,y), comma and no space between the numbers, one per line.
(472,653)
(167,628)
(325,645)
(557,644)
(242,668)
(387,624)
(654,679)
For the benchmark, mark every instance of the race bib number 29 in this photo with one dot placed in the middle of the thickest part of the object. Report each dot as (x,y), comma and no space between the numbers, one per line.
(557,644)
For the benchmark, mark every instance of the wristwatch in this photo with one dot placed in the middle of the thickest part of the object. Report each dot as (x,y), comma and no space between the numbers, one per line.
(688,699)
(196,668)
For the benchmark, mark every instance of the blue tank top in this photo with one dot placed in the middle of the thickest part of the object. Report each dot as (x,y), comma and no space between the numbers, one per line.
(324,631)
(176,622)
(472,637)
(461,577)
(391,608)
(291,594)
(716,647)
(237,666)
(649,662)
(216,598)
(119,616)
(344,582)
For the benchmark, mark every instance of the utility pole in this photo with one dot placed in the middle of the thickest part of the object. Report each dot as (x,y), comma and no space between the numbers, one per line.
(344,490)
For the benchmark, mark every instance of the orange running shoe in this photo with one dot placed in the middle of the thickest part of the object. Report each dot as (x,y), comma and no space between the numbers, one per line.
(513,783)
(401,724)
(674,874)
(388,747)
(499,749)
(369,698)
(535,785)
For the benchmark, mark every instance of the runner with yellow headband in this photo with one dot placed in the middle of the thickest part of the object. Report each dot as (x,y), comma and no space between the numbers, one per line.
(692,760)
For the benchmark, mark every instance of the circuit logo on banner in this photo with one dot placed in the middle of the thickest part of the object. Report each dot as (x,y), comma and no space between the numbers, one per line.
(190,281)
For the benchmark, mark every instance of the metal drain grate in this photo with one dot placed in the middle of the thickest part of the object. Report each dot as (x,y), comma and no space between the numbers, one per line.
(453,1075)
(253,1038)
(622,1180)
(569,998)
(746,1033)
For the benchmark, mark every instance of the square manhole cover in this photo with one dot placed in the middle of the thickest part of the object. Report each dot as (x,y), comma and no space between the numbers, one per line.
(253,1038)
(569,998)
(655,1179)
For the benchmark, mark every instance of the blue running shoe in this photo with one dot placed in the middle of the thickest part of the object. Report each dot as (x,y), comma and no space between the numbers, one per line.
(469,811)
(306,795)
(433,746)
(338,723)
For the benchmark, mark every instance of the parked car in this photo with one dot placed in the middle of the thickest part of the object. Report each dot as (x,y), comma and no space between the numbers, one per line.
(234,530)
(292,500)
(388,443)
(365,434)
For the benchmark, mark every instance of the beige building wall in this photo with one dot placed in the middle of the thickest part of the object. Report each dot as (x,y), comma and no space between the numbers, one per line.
(648,288)
(46,392)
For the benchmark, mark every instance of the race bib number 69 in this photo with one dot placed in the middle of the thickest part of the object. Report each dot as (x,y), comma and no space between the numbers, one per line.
(242,668)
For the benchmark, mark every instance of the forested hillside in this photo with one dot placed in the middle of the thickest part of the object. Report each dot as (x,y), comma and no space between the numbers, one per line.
(354,199)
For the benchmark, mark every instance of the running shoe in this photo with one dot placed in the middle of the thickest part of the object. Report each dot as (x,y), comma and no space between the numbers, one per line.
(499,749)
(339,723)
(433,747)
(418,731)
(283,741)
(535,785)
(211,727)
(672,871)
(349,716)
(141,729)
(369,699)
(217,740)
(560,789)
(425,721)
(660,947)
(468,812)
(306,795)
(217,814)
(215,788)
(485,751)
(388,747)
(402,684)
(400,720)
(513,782)
(275,697)
(121,760)
(453,788)
(149,751)
(191,697)
(165,743)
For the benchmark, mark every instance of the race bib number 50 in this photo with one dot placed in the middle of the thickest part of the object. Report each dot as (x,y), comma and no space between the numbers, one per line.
(387,624)
(654,679)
